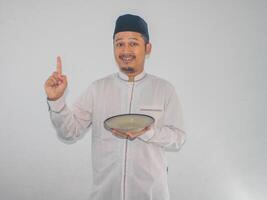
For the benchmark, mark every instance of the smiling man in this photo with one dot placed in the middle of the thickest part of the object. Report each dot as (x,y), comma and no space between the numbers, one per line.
(126,165)
(131,44)
(130,49)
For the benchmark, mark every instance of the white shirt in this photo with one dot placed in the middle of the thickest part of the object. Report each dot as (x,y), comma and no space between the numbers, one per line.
(125,169)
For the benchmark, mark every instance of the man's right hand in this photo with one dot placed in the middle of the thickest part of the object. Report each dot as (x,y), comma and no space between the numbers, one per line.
(56,84)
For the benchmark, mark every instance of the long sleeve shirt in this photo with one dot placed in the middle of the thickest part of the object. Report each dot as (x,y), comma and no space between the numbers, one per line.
(125,169)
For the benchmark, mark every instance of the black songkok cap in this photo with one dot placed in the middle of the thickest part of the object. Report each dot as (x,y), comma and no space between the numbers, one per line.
(131,23)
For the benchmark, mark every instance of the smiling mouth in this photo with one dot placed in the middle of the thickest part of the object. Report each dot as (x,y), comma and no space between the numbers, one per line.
(127,58)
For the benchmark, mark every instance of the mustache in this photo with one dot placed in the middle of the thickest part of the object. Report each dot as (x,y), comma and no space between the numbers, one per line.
(128,69)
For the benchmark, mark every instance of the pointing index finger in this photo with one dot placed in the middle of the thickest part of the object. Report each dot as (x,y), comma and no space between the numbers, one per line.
(59,66)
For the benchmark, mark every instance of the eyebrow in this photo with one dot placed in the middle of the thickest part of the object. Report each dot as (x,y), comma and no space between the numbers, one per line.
(118,39)
(129,38)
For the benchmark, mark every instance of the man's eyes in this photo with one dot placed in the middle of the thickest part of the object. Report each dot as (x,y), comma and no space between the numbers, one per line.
(119,44)
(132,44)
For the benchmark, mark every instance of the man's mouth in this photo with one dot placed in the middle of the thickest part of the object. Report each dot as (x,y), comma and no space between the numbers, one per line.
(126,59)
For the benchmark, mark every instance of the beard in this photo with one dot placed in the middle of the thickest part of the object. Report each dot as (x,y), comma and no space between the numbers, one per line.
(128,70)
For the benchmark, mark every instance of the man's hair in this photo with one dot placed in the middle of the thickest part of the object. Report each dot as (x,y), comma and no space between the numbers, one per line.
(146,40)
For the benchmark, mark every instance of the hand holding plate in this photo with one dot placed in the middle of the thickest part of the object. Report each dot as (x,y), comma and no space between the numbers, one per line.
(130,134)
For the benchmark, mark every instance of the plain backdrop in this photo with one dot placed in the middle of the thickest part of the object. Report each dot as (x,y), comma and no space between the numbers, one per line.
(213,52)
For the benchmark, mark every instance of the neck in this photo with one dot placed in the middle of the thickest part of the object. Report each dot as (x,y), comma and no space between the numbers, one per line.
(132,76)
(131,79)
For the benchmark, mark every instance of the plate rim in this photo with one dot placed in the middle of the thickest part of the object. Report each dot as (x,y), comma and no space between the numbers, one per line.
(138,114)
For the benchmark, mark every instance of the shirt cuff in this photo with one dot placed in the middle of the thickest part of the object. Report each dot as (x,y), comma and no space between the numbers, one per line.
(57,105)
(148,134)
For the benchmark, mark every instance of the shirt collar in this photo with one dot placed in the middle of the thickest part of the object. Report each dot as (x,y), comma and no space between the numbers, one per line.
(124,77)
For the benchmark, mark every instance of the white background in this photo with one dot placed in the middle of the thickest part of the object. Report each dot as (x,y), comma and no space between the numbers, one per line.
(213,52)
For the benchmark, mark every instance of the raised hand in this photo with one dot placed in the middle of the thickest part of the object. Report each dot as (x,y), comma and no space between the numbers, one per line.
(56,84)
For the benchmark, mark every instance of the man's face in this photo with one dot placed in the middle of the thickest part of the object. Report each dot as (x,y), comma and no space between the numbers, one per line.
(130,51)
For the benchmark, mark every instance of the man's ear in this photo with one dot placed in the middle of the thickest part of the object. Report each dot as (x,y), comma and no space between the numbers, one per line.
(148,48)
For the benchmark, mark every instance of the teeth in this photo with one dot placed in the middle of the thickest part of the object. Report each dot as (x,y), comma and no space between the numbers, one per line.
(127,59)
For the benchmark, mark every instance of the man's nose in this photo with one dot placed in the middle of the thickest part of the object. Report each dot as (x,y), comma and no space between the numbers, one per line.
(127,49)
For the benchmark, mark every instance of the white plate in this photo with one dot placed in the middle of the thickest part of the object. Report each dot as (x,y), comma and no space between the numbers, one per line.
(129,122)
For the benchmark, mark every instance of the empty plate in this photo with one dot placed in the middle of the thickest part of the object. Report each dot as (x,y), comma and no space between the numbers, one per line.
(129,122)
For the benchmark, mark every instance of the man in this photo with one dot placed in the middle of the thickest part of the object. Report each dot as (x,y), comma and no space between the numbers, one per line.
(126,165)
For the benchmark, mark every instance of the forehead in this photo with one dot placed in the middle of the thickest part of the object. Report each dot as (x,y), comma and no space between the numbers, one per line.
(125,35)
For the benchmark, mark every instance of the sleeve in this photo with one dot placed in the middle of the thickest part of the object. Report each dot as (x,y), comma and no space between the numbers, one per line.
(171,135)
(72,123)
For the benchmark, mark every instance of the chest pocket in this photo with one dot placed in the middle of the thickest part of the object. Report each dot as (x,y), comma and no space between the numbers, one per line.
(154,111)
